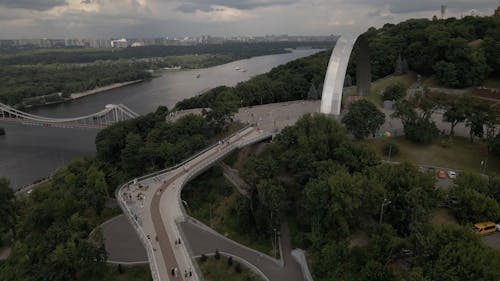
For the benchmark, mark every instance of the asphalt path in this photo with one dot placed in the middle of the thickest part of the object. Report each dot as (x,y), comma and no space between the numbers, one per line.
(204,241)
(121,242)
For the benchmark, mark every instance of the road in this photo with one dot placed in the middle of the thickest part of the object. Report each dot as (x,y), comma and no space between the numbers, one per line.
(121,242)
(203,240)
(155,205)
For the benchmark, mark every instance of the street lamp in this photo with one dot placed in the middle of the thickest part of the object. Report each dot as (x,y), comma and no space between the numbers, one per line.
(384,203)
(483,165)
(275,246)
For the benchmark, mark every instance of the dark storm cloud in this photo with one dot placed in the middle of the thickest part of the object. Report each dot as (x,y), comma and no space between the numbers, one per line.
(192,6)
(38,5)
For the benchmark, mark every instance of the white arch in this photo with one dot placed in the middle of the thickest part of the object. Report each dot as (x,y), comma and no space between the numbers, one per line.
(331,98)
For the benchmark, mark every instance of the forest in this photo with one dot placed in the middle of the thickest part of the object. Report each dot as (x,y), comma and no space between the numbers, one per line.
(459,52)
(74,55)
(23,82)
(331,190)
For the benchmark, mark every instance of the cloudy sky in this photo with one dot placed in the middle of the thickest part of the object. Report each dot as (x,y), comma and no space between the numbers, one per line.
(154,18)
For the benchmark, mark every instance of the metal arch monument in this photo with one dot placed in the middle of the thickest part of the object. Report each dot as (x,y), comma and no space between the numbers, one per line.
(331,99)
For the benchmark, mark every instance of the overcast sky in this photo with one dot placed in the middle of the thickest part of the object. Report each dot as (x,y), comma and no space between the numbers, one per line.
(157,18)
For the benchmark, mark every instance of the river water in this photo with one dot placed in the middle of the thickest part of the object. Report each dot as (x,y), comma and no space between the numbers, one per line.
(28,153)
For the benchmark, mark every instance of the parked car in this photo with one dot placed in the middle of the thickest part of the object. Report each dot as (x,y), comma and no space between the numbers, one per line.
(452,174)
(498,226)
(441,174)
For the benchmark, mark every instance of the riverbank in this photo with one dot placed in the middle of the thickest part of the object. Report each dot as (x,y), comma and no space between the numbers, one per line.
(78,95)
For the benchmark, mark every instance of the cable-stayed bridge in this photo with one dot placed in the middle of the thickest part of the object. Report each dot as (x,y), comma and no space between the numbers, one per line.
(111,114)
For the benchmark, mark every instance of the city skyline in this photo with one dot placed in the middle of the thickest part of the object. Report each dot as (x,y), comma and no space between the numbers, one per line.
(154,18)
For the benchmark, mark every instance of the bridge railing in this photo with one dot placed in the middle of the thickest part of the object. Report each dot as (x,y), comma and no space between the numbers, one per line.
(155,274)
(200,168)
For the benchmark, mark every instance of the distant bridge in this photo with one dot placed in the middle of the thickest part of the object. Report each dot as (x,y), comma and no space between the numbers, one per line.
(111,114)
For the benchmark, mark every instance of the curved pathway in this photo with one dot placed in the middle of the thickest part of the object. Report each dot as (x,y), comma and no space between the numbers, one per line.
(203,240)
(154,207)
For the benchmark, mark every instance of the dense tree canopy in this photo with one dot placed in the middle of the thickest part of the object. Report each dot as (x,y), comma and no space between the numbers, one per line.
(53,226)
(7,211)
(460,52)
(363,119)
(332,202)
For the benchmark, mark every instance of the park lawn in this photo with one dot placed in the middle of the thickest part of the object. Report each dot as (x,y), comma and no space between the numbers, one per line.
(378,87)
(219,270)
(461,155)
(214,201)
(130,273)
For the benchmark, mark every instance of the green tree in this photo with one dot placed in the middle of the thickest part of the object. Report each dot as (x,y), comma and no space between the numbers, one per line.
(476,118)
(225,105)
(456,112)
(417,124)
(395,92)
(363,119)
(7,209)
(132,160)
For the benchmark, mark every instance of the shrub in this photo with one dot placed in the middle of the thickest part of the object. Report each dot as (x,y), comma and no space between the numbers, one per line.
(395,92)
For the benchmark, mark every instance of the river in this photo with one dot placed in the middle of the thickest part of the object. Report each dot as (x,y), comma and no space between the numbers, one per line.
(28,153)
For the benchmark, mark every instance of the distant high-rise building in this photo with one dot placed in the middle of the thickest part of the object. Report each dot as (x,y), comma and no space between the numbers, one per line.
(443,11)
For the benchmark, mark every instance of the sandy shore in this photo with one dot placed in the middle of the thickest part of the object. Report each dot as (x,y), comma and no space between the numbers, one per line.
(102,89)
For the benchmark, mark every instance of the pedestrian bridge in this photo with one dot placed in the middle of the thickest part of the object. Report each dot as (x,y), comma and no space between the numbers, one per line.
(111,114)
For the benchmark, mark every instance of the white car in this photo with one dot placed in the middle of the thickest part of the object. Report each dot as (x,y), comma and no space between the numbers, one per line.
(452,175)
(498,227)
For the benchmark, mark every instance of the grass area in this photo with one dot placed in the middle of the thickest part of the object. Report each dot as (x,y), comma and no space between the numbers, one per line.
(219,270)
(492,83)
(430,81)
(214,201)
(378,87)
(129,273)
(461,154)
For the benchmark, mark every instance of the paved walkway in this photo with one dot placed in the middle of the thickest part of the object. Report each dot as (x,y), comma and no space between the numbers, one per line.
(154,205)
(203,240)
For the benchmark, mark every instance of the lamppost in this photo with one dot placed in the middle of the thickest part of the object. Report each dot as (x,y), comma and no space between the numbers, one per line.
(483,165)
(384,203)
(274,245)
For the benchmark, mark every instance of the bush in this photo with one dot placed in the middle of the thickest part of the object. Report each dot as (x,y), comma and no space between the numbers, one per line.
(391,149)
(422,131)
(395,92)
